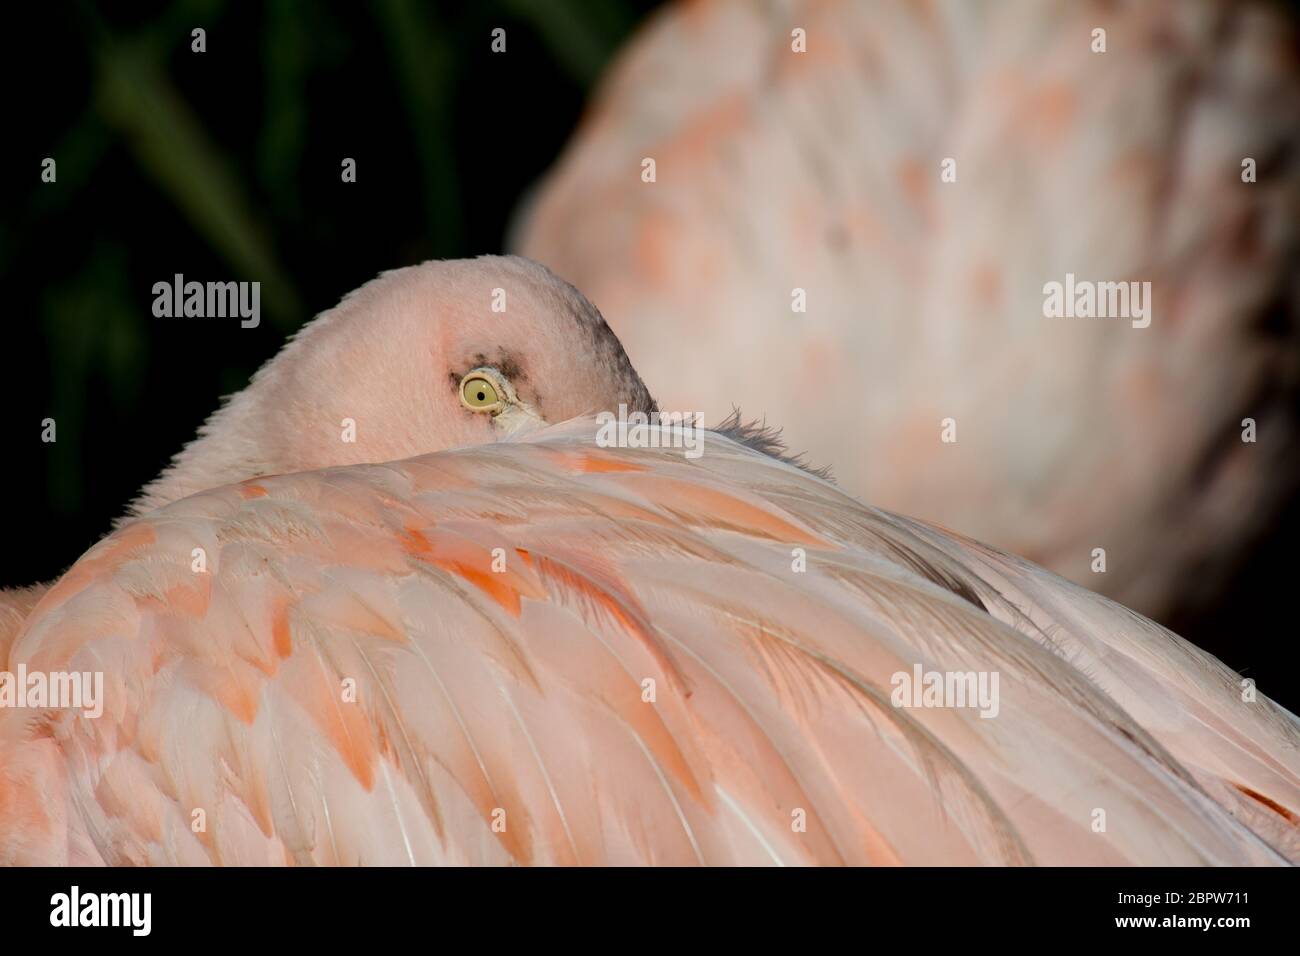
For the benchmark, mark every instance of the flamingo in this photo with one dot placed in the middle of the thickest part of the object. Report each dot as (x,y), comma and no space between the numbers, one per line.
(478,634)
(854,239)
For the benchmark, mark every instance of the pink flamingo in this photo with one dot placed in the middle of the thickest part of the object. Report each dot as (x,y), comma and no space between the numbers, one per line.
(918,173)
(512,644)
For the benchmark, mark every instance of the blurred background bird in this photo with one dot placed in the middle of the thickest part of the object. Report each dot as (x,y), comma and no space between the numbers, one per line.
(923,370)
(775,171)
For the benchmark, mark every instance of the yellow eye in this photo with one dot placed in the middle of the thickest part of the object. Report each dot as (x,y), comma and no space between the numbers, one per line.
(479,393)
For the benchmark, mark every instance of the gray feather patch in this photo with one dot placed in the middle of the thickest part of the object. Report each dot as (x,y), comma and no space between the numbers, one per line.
(765,438)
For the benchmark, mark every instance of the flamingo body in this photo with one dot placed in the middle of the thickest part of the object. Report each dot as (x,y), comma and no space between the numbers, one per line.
(854,241)
(540,651)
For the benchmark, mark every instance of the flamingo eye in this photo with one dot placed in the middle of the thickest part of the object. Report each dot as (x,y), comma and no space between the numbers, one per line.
(479,393)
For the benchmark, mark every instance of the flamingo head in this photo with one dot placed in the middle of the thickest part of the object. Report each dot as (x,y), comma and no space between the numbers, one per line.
(420,359)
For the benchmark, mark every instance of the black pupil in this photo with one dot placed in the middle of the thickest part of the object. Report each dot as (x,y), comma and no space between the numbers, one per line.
(481,396)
